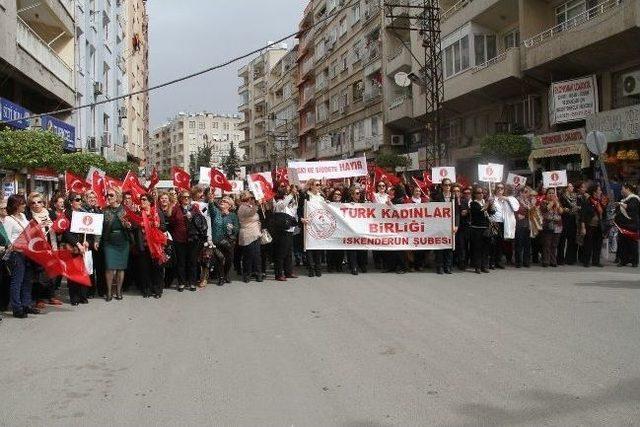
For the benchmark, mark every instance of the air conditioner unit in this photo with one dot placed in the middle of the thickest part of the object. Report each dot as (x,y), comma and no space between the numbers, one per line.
(631,84)
(397,139)
(91,143)
(97,88)
(122,112)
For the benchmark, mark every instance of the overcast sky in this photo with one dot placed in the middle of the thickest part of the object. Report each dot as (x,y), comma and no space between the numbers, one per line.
(189,35)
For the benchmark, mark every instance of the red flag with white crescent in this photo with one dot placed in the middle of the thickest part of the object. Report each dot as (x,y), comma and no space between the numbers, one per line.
(282,176)
(154,179)
(218,180)
(383,175)
(73,184)
(98,187)
(132,185)
(112,182)
(181,179)
(61,224)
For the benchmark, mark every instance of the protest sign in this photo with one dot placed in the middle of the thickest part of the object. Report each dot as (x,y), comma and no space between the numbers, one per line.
(516,180)
(86,223)
(490,172)
(554,179)
(441,172)
(330,169)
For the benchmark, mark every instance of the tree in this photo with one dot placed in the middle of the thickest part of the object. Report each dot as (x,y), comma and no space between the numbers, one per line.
(391,160)
(231,162)
(504,147)
(201,158)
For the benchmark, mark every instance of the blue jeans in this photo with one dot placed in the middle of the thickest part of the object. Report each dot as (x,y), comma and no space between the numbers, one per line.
(20,285)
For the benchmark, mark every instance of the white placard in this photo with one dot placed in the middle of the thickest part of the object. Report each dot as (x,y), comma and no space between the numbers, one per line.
(237,186)
(553,179)
(330,169)
(205,176)
(491,172)
(573,100)
(86,223)
(516,180)
(439,173)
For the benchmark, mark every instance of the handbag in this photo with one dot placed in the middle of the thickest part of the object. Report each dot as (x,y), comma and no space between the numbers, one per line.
(265,237)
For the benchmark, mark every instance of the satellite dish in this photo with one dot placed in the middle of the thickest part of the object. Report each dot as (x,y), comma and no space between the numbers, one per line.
(596,142)
(402,79)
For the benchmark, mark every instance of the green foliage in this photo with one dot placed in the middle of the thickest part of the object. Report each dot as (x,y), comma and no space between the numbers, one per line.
(30,149)
(202,158)
(118,170)
(391,160)
(505,147)
(80,163)
(231,162)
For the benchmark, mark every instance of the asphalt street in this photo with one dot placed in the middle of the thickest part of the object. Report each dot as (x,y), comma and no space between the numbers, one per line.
(515,347)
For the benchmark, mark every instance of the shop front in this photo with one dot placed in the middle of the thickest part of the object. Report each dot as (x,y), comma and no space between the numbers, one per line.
(561,150)
(621,127)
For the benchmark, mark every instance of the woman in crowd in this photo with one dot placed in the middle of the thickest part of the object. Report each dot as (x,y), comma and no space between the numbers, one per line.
(4,247)
(314,257)
(444,258)
(148,263)
(504,222)
(224,231)
(79,245)
(115,243)
(568,247)
(165,205)
(284,223)
(591,217)
(461,253)
(98,274)
(396,260)
(522,247)
(551,211)
(479,211)
(19,266)
(627,218)
(188,227)
(380,196)
(417,259)
(335,258)
(249,237)
(357,259)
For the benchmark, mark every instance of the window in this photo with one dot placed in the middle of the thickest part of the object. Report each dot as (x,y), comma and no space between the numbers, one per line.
(456,57)
(357,55)
(214,125)
(343,26)
(569,10)
(484,47)
(358,91)
(344,98)
(355,14)
(335,103)
(201,125)
(511,39)
(344,61)
(225,126)
(334,69)
(192,125)
(375,123)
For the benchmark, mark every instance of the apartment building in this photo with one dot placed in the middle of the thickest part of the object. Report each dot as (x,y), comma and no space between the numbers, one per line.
(551,69)
(282,110)
(347,83)
(37,64)
(254,90)
(100,75)
(174,142)
(306,83)
(136,61)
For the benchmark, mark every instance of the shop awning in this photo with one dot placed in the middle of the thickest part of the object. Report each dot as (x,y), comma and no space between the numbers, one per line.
(564,150)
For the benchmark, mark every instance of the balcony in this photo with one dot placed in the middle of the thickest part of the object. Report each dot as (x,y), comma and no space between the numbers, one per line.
(243,106)
(244,71)
(399,12)
(41,52)
(329,151)
(398,60)
(483,12)
(499,77)
(400,109)
(369,143)
(603,36)
(306,41)
(372,10)
(243,88)
(372,95)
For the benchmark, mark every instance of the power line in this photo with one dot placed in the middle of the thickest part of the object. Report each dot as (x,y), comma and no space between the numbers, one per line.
(183,78)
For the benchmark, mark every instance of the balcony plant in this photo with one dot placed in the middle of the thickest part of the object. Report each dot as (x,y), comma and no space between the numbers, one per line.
(504,147)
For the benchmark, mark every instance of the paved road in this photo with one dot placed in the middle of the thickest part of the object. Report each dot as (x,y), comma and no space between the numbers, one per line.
(508,348)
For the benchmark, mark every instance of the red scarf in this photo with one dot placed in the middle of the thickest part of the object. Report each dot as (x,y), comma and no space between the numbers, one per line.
(156,239)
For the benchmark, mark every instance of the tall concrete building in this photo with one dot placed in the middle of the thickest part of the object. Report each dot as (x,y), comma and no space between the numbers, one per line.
(100,75)
(136,62)
(253,92)
(174,142)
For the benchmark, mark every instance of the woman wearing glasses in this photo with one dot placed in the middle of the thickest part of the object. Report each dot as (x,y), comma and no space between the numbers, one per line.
(78,244)
(380,196)
(479,211)
(444,258)
(335,258)
(357,258)
(148,255)
(115,243)
(98,274)
(314,257)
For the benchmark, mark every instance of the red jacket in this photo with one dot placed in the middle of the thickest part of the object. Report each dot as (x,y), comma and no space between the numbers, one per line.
(178,226)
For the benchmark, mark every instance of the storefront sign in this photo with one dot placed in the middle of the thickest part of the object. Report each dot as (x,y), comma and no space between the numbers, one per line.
(330,169)
(553,179)
(573,100)
(86,223)
(8,188)
(44,174)
(563,150)
(621,124)
(66,131)
(424,226)
(10,112)
(572,136)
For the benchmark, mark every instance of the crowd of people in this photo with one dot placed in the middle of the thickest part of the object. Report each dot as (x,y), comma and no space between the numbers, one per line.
(185,239)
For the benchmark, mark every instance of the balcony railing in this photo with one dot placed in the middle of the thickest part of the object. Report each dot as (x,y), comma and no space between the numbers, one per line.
(372,94)
(576,21)
(398,101)
(41,52)
(501,57)
(454,9)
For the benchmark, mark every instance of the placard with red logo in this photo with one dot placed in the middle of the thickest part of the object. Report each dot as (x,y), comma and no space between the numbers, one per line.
(86,223)
(516,181)
(553,179)
(491,172)
(439,173)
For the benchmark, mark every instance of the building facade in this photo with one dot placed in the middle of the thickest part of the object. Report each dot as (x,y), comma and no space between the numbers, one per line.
(254,91)
(136,62)
(173,143)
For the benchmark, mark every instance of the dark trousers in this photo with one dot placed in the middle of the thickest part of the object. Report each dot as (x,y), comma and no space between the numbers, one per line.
(523,246)
(252,259)
(550,247)
(627,250)
(266,255)
(357,260)
(444,259)
(43,286)
(495,254)
(98,278)
(592,246)
(223,259)
(282,254)
(150,277)
(314,261)
(20,285)
(298,248)
(5,281)
(77,292)
(460,255)
(187,262)
(334,260)
(480,247)
(378,259)
(567,245)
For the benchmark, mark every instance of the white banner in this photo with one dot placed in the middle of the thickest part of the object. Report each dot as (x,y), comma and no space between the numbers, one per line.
(490,172)
(330,169)
(516,180)
(424,226)
(554,179)
(573,100)
(441,172)
(86,223)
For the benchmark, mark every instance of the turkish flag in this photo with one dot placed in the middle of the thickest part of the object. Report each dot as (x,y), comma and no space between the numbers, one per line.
(71,266)
(61,224)
(218,180)
(265,186)
(181,179)
(282,175)
(132,185)
(112,182)
(463,181)
(633,235)
(383,175)
(421,184)
(426,176)
(156,239)
(73,184)
(154,179)
(98,186)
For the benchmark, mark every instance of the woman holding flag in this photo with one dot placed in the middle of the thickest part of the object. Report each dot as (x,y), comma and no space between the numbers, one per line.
(93,204)
(115,243)
(78,244)
(149,244)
